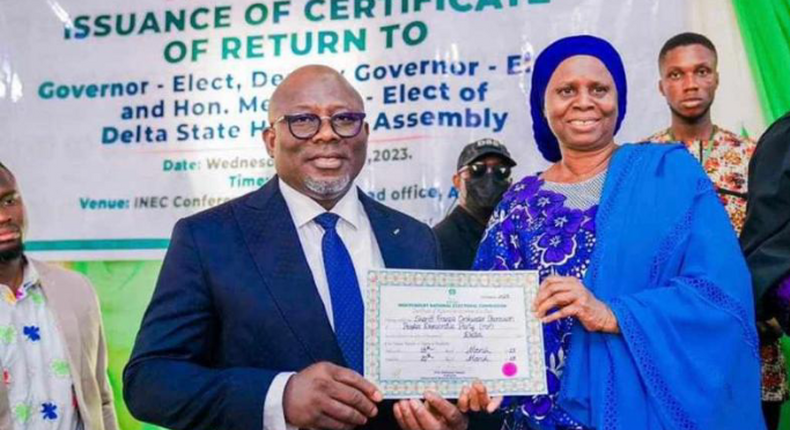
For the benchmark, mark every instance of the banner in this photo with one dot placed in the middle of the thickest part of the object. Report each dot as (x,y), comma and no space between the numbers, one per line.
(120,118)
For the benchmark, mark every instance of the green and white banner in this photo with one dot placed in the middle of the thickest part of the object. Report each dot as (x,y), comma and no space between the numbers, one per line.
(121,118)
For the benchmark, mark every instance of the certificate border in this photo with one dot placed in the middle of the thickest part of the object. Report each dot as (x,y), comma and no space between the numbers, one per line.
(533,383)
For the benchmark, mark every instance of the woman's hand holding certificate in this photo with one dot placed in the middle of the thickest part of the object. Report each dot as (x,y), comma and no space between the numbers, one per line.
(436,413)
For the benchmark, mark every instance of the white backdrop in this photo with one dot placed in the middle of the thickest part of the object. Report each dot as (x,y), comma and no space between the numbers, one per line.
(86,189)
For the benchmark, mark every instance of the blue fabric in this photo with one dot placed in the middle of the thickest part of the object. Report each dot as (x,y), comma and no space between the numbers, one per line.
(667,262)
(235,304)
(347,309)
(669,265)
(534,229)
(545,65)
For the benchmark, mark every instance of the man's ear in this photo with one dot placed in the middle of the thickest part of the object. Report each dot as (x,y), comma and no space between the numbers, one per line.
(457,181)
(269,137)
(661,88)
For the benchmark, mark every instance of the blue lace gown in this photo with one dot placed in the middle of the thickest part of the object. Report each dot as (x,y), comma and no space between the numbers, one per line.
(548,227)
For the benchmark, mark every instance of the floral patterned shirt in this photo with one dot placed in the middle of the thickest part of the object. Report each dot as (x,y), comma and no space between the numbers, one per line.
(35,369)
(550,228)
(725,157)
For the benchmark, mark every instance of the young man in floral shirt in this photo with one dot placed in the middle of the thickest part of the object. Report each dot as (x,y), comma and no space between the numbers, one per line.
(687,64)
(52,351)
(689,79)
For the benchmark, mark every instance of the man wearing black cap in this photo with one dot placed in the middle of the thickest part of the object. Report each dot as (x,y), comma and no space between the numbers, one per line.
(482,177)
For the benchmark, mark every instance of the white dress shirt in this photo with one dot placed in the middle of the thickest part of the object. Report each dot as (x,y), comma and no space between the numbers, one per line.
(357,234)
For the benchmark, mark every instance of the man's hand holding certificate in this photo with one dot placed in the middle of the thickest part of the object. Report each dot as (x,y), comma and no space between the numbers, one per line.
(430,330)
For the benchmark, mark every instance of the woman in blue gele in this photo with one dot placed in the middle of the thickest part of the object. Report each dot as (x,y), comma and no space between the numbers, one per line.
(645,296)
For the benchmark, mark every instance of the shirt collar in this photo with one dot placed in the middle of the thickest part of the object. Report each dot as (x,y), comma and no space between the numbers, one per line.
(30,278)
(712,136)
(304,209)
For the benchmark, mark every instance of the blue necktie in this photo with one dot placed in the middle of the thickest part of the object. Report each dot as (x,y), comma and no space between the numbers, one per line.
(347,307)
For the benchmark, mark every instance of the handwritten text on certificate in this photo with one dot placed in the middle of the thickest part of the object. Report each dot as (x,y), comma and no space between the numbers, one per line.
(440,330)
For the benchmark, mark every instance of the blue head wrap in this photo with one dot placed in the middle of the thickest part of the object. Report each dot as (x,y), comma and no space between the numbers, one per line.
(545,65)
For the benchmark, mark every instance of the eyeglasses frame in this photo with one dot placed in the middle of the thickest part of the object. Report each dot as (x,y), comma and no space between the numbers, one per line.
(289,117)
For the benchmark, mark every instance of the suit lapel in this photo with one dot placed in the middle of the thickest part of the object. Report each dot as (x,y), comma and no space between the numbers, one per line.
(389,235)
(273,242)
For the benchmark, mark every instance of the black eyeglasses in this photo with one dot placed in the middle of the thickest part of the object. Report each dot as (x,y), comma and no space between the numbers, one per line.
(306,125)
(477,170)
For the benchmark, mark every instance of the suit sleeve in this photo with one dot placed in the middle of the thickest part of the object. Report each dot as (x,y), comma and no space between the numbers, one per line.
(170,380)
(766,233)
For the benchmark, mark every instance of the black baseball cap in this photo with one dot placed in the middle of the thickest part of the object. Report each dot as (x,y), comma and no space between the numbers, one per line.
(482,147)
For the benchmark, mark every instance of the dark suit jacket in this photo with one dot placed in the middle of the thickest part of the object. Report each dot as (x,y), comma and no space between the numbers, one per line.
(235,304)
(766,232)
(459,237)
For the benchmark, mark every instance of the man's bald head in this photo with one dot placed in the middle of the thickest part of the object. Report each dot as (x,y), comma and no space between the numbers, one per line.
(312,80)
(323,165)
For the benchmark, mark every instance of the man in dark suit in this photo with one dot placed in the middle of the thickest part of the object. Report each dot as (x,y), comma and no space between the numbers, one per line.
(766,244)
(256,321)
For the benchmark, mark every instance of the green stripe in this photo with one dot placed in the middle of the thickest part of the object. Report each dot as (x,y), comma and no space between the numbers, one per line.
(765,29)
(96,245)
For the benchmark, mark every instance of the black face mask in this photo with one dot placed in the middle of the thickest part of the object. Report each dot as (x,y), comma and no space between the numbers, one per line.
(483,193)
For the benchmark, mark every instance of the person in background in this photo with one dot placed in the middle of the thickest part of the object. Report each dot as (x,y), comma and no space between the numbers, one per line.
(766,243)
(482,176)
(52,349)
(687,65)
